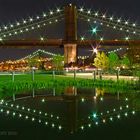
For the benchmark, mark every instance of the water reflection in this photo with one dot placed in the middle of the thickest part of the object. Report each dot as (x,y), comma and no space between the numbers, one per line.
(70,108)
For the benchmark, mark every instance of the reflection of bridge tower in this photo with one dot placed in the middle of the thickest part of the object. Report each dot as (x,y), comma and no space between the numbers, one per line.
(72,108)
(70,47)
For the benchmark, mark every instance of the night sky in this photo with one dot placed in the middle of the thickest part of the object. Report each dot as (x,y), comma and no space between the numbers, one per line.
(13,10)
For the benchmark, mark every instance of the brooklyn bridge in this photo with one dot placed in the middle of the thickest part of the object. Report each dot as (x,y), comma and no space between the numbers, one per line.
(71,42)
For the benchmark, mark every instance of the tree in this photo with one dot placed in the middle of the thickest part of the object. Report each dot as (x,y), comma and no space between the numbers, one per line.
(58,62)
(36,62)
(125,61)
(113,60)
(32,62)
(101,60)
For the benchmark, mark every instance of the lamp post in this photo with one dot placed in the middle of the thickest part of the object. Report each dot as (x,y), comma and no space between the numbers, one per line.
(33,73)
(94,74)
(54,91)
(53,74)
(14,98)
(13,76)
(100,74)
(74,73)
(118,70)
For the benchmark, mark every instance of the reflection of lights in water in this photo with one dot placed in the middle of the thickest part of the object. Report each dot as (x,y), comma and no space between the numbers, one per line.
(53,125)
(43,100)
(8,112)
(126,99)
(94,115)
(2,101)
(59,127)
(28,109)
(104,120)
(126,114)
(83,100)
(101,117)
(14,113)
(89,125)
(95,97)
(101,98)
(133,112)
(82,127)
(33,114)
(118,116)
(96,123)
(26,117)
(32,118)
(111,118)
(127,106)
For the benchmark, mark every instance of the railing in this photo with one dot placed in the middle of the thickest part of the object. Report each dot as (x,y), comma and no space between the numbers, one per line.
(95,74)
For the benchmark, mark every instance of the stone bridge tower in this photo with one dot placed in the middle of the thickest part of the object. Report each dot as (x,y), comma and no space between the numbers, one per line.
(70,45)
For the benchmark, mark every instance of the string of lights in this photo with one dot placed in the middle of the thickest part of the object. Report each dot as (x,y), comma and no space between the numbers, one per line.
(30,114)
(109,115)
(36,53)
(115,23)
(104,119)
(30,27)
(24,22)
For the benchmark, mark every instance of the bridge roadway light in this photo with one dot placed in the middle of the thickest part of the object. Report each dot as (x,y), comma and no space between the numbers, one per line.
(101,39)
(51,12)
(111,18)
(88,12)
(82,38)
(41,38)
(119,20)
(126,38)
(134,24)
(24,21)
(44,15)
(81,9)
(37,17)
(58,10)
(94,30)
(11,25)
(95,50)
(126,22)
(96,14)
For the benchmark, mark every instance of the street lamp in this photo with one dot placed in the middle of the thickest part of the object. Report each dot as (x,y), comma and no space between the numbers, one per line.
(118,70)
(33,72)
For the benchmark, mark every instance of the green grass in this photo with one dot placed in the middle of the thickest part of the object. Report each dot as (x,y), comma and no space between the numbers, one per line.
(24,82)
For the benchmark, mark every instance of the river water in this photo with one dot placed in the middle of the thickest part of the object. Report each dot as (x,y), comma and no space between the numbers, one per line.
(70,113)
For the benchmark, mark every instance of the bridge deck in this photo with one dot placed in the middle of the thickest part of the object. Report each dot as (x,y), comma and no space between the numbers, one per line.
(60,42)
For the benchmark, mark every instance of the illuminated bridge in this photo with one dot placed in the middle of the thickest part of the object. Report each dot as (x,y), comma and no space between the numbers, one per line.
(71,42)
